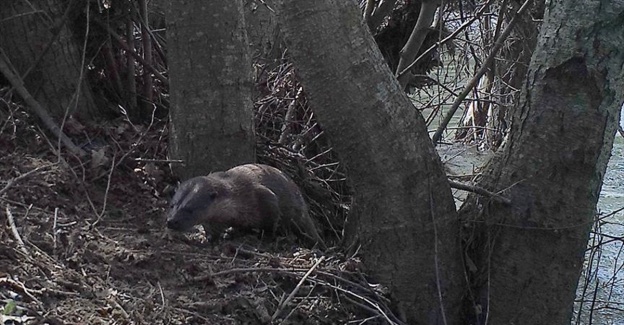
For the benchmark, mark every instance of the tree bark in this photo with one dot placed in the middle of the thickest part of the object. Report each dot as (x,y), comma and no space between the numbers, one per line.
(38,43)
(552,167)
(210,73)
(262,30)
(403,219)
(513,66)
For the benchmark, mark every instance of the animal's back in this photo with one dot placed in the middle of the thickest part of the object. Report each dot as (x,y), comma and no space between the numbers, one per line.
(293,208)
(274,179)
(246,196)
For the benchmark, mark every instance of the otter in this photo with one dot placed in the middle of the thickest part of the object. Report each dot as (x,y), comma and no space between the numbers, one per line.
(248,196)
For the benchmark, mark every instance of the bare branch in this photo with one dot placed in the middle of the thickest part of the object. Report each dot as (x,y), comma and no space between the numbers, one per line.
(479,190)
(7,70)
(384,9)
(484,68)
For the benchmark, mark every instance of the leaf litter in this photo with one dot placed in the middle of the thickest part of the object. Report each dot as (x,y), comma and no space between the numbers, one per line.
(84,242)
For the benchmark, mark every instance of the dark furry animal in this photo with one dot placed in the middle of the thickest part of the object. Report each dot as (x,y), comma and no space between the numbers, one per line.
(247,196)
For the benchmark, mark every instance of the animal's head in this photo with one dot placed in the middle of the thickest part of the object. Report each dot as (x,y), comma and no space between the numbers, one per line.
(191,202)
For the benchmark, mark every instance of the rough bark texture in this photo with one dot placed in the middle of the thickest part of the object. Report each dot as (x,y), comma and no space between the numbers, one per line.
(552,167)
(262,30)
(210,73)
(403,215)
(517,56)
(35,37)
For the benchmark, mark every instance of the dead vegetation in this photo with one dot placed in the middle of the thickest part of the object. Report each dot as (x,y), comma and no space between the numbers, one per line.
(84,242)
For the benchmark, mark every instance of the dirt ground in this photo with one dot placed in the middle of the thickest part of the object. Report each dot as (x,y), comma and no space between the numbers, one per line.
(83,242)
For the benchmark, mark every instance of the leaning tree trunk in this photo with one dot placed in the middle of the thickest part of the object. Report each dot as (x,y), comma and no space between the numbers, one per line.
(403,219)
(416,39)
(210,73)
(552,167)
(35,37)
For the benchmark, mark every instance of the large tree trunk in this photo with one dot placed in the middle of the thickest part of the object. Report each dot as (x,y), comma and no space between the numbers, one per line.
(262,30)
(552,167)
(403,216)
(211,107)
(38,43)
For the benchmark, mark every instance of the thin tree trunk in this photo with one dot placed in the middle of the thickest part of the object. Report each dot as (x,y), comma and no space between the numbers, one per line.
(552,167)
(131,88)
(413,44)
(403,220)
(146,42)
(210,73)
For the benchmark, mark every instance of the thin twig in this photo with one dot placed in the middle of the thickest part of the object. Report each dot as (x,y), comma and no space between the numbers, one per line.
(292,294)
(132,52)
(484,68)
(23,176)
(383,10)
(135,143)
(376,306)
(54,224)
(480,191)
(108,182)
(299,304)
(165,161)
(79,84)
(19,286)
(446,39)
(7,70)
(16,234)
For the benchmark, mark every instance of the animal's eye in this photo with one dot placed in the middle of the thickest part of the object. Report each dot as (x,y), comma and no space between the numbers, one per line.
(213,195)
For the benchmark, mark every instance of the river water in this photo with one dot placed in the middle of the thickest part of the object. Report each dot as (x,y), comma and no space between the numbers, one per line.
(600,296)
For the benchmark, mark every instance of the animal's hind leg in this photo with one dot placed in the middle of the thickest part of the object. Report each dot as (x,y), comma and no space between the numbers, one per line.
(268,204)
(306,227)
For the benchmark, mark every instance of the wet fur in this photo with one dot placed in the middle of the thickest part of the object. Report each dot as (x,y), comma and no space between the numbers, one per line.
(248,196)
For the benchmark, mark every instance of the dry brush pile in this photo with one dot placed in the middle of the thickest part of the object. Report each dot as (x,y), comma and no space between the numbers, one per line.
(84,242)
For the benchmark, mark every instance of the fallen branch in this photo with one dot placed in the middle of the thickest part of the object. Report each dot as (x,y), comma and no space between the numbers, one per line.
(20,287)
(48,121)
(292,294)
(16,234)
(167,161)
(480,191)
(15,180)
